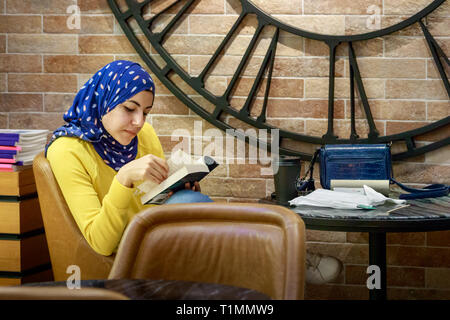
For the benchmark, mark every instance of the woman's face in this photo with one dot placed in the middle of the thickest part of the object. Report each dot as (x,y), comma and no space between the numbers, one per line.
(125,121)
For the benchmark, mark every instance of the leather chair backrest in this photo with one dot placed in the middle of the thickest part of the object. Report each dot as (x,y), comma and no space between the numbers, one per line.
(58,293)
(255,246)
(66,243)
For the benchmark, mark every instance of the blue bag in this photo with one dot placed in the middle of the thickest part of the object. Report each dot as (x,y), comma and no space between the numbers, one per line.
(354,162)
(362,162)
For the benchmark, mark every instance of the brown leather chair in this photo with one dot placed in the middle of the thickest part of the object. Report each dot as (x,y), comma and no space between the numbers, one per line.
(66,243)
(58,293)
(255,246)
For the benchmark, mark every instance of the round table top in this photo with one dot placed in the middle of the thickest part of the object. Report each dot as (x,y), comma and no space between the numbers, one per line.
(154,289)
(431,214)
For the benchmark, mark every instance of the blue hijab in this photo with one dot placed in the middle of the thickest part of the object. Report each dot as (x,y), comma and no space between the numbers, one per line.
(112,85)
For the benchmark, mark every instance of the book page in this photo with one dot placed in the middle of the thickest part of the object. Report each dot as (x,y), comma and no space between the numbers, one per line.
(182,168)
(146,186)
(176,182)
(177,160)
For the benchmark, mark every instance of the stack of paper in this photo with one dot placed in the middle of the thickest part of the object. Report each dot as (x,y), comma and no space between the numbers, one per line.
(19,147)
(344,200)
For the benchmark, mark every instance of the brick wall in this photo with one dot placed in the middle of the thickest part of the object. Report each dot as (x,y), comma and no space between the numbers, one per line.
(43,63)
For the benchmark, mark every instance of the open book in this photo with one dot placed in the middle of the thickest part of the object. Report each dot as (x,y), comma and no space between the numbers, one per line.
(182,169)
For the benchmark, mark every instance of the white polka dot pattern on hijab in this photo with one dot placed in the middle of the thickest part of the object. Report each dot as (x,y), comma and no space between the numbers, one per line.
(112,85)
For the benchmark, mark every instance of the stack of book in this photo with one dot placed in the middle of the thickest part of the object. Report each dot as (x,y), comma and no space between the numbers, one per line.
(19,147)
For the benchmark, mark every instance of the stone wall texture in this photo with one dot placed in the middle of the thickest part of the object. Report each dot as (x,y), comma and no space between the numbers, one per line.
(43,63)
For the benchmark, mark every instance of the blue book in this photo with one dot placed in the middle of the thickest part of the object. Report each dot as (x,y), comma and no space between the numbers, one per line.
(7,156)
(8,143)
(7,152)
(30,141)
(9,136)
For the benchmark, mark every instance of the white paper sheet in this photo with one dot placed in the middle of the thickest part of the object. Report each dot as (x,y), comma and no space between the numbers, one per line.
(343,200)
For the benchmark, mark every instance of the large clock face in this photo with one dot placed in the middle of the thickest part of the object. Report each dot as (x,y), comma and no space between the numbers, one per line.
(271,70)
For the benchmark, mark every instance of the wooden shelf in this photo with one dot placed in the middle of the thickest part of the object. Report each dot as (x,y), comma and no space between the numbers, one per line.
(17,217)
(24,255)
(18,255)
(41,273)
(17,183)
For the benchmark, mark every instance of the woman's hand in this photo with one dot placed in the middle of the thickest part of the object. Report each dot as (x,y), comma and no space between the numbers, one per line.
(149,167)
(187,185)
(195,187)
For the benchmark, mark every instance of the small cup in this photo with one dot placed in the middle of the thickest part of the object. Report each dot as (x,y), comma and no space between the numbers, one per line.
(285,179)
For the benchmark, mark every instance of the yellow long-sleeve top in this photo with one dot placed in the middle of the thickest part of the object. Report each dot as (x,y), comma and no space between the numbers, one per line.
(101,206)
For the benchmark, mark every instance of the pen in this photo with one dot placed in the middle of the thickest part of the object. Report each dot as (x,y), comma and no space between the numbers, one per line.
(363,206)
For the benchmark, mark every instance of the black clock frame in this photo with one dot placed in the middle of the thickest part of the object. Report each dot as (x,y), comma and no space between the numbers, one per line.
(222,103)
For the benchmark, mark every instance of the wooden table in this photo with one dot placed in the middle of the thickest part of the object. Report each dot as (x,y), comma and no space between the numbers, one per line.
(140,289)
(420,216)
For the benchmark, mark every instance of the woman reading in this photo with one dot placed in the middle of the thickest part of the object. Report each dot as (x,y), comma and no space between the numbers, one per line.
(105,149)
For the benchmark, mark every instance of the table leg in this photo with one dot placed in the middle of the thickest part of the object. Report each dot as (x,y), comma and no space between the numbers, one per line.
(377,257)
